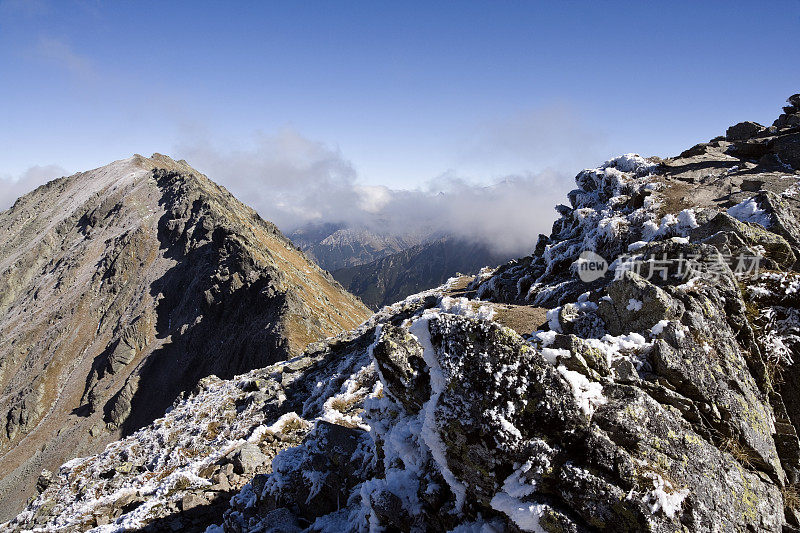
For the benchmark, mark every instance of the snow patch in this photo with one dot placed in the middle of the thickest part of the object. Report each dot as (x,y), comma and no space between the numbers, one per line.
(634,305)
(525,515)
(749,211)
(588,394)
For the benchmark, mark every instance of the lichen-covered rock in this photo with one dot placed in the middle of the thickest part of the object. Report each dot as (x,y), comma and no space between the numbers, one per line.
(399,360)
(634,304)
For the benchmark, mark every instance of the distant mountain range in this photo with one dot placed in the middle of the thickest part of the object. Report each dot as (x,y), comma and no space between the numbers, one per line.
(383,268)
(393,277)
(334,246)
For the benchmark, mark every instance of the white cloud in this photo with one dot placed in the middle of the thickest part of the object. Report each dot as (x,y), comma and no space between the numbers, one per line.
(290,179)
(293,181)
(12,188)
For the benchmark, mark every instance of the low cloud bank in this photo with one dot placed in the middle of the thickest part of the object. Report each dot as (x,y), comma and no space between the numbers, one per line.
(12,188)
(294,181)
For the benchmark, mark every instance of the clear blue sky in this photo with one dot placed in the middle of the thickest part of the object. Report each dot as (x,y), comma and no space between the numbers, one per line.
(405,91)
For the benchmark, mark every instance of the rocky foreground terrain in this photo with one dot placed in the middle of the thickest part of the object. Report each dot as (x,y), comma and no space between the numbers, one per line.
(123,286)
(657,395)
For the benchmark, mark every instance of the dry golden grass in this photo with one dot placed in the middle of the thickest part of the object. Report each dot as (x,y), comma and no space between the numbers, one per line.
(523,319)
(791,498)
(732,446)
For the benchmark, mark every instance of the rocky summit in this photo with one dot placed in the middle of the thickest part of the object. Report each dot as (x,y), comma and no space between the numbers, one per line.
(123,286)
(636,372)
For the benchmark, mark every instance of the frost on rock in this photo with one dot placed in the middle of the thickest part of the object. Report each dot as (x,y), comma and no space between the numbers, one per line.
(587,394)
(664,497)
(616,209)
(148,476)
(776,300)
(634,305)
(749,211)
(470,427)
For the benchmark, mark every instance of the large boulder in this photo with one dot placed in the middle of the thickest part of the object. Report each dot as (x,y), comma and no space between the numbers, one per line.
(743,131)
(635,304)
(787,148)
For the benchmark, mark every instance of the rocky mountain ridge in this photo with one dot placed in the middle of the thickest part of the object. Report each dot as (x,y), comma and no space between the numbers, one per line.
(659,395)
(123,286)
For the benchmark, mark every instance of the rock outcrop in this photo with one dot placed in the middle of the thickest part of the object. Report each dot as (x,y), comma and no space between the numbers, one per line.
(123,286)
(650,385)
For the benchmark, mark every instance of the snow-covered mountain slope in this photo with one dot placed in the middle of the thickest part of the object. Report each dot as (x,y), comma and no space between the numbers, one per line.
(122,286)
(657,393)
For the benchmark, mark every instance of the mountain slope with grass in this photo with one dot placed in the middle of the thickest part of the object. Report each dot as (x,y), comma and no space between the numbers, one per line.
(121,287)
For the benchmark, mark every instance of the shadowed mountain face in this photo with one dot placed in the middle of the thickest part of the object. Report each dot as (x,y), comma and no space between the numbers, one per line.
(334,247)
(425,266)
(123,286)
(660,395)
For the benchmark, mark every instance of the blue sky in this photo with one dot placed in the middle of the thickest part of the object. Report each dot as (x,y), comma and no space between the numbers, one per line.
(403,92)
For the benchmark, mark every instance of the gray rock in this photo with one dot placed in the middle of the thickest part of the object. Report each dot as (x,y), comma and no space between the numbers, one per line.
(743,131)
(399,358)
(281,520)
(787,148)
(248,459)
(46,478)
(192,501)
(652,305)
(731,236)
(220,483)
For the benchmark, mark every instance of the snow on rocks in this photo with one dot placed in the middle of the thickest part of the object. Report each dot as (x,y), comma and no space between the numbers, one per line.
(776,296)
(749,211)
(613,417)
(470,427)
(435,416)
(204,449)
(664,497)
(587,394)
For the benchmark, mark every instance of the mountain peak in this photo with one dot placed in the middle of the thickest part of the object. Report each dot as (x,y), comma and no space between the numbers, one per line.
(124,285)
